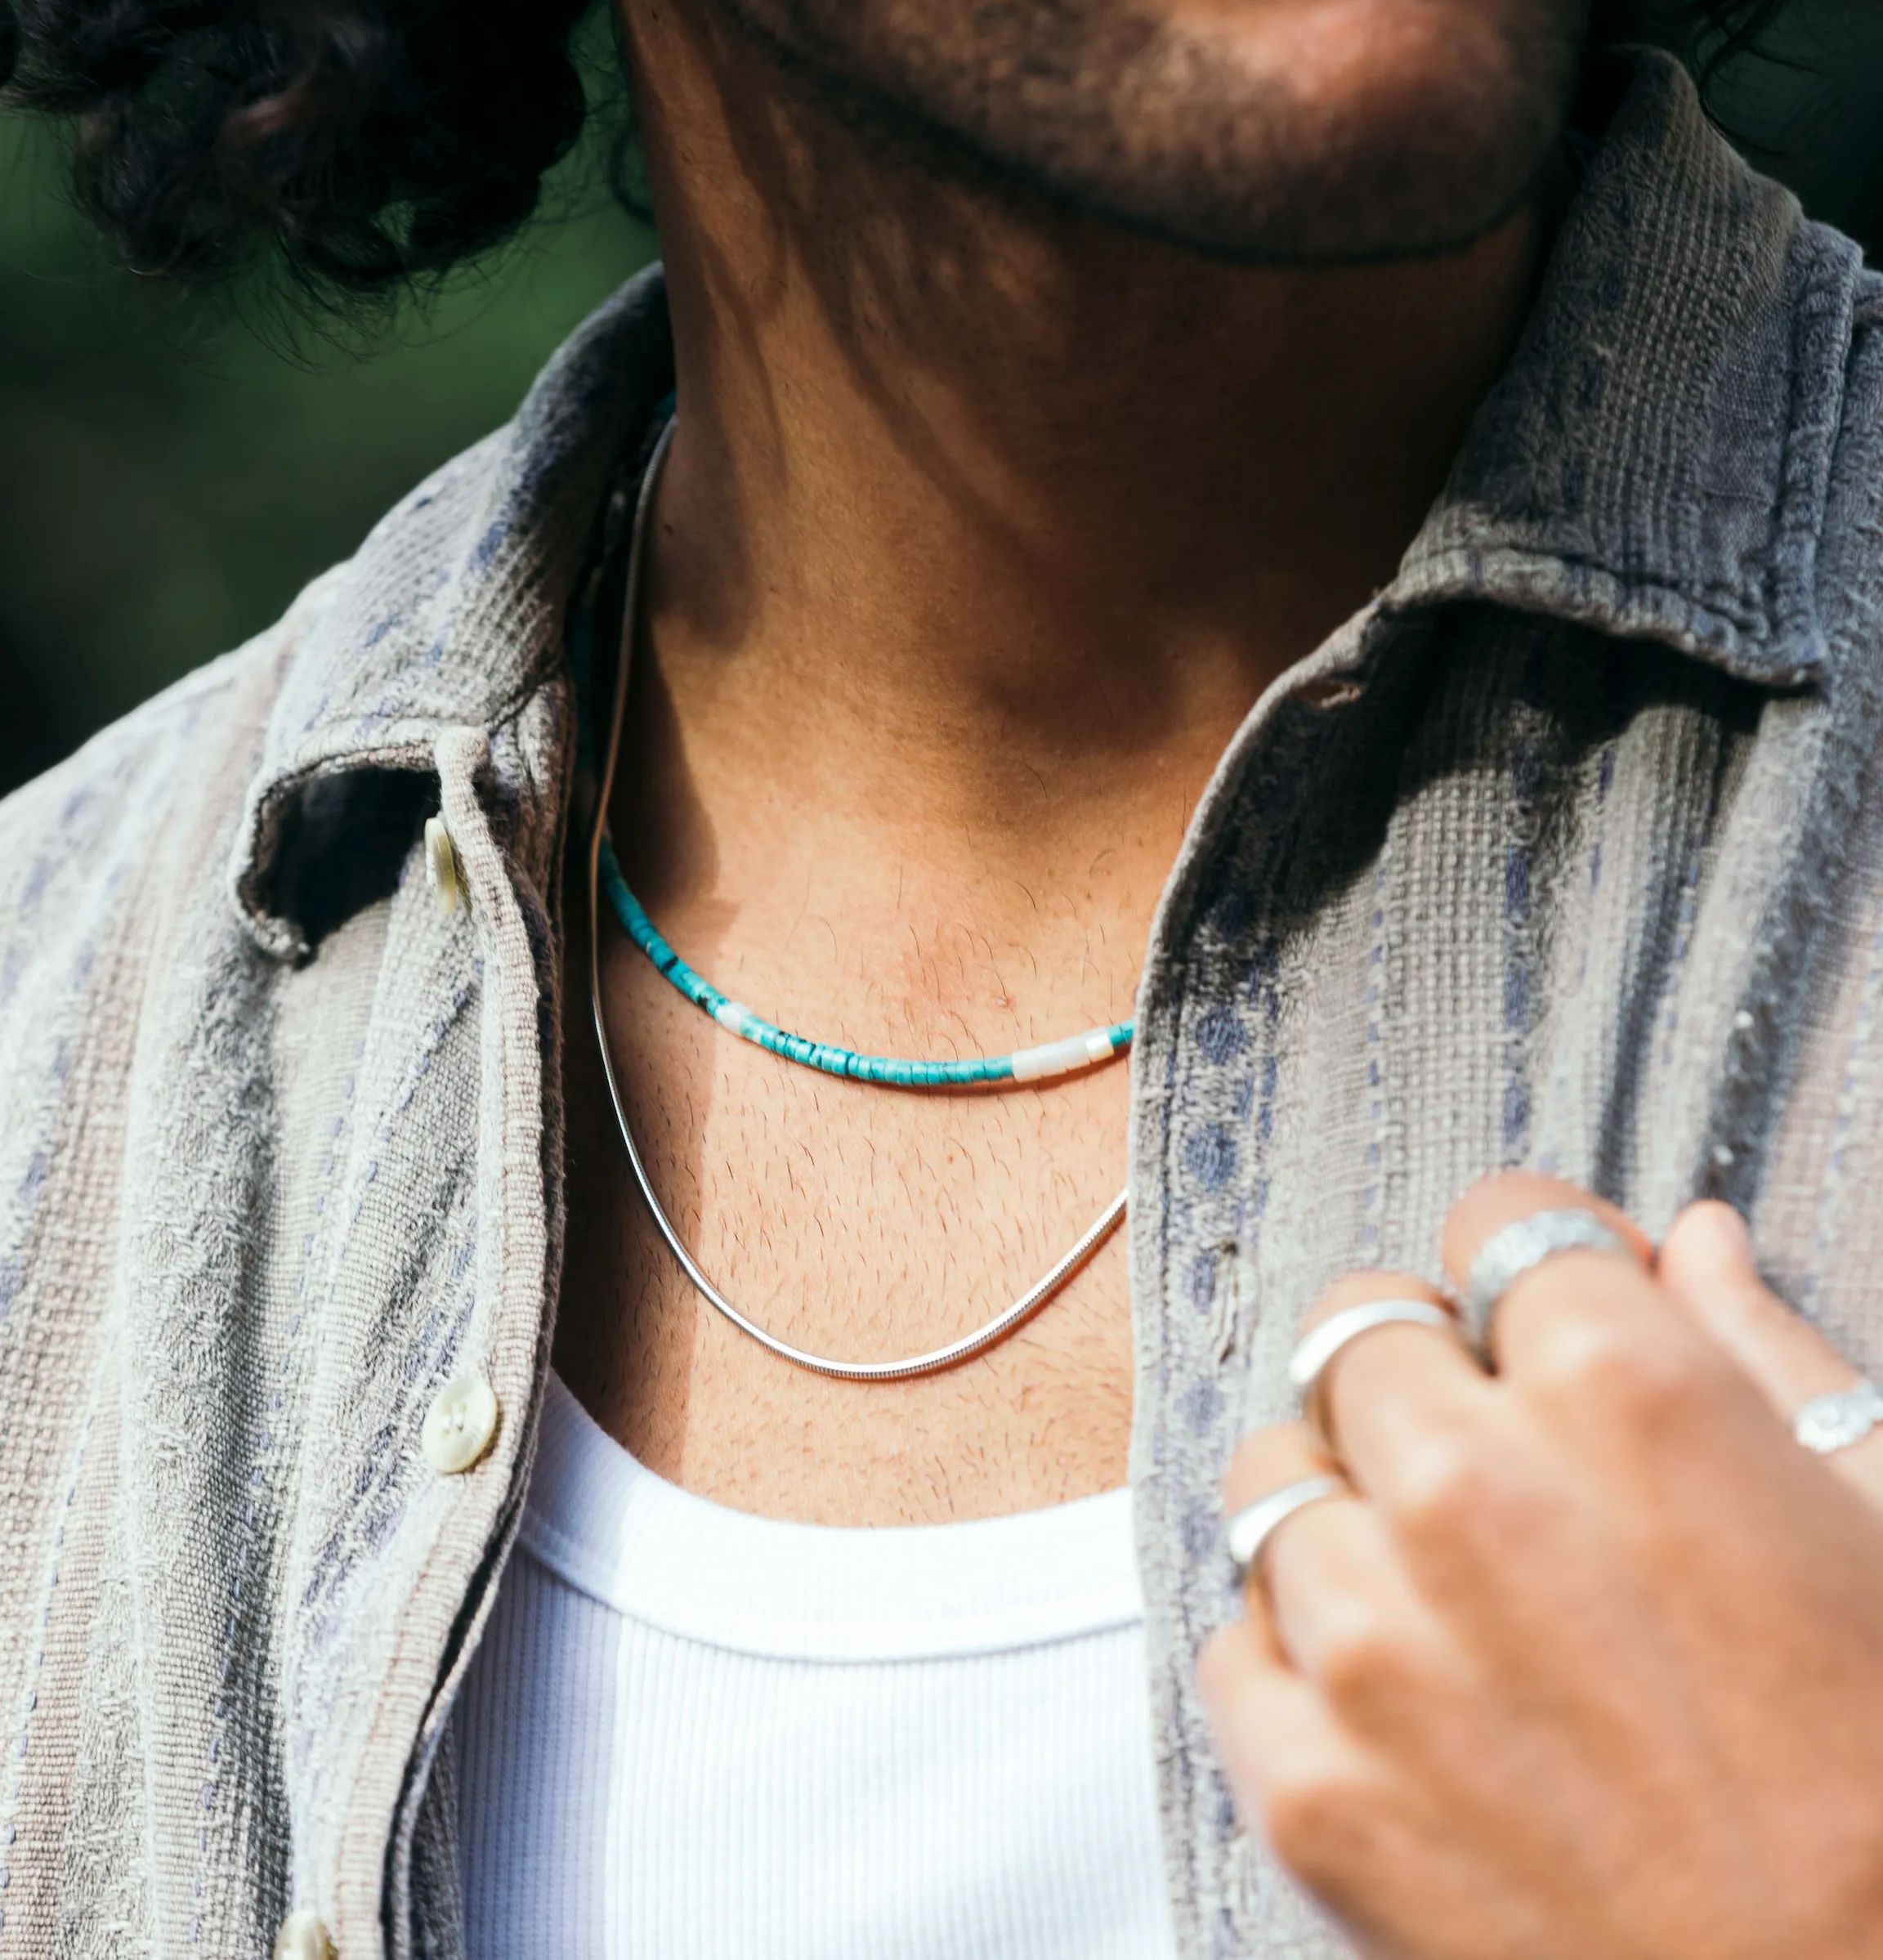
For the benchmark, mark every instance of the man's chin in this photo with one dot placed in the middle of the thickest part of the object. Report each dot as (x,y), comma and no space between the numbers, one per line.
(1278,131)
(1429,193)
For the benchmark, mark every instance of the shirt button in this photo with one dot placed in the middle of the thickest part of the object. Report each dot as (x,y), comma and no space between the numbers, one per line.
(303,1937)
(440,864)
(459,1424)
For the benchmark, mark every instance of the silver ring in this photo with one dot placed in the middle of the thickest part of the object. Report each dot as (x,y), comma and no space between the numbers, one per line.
(1508,1254)
(1829,1423)
(1256,1523)
(1315,1352)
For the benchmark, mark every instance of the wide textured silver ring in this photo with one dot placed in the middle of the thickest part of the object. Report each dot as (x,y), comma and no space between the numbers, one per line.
(1525,1243)
(1829,1423)
(1316,1351)
(1253,1526)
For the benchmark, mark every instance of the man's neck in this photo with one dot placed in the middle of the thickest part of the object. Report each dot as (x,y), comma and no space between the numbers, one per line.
(985,520)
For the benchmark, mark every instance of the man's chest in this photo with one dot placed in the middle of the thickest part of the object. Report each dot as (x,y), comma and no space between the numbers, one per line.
(855,1223)
(1513,943)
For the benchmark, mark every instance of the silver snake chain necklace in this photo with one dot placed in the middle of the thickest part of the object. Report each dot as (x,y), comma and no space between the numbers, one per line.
(1004,1323)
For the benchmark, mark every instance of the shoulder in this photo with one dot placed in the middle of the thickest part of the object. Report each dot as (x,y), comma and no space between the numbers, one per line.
(145,819)
(80,845)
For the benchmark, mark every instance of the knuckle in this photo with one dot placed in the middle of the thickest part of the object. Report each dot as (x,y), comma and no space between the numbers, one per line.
(1363,1665)
(1643,1378)
(1266,1459)
(1319,1819)
(1454,1483)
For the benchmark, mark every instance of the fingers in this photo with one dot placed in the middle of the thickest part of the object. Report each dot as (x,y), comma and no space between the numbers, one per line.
(1602,1344)
(1608,1352)
(1573,1313)
(1495,1202)
(1385,1393)
(1390,1398)
(1266,1461)
(1329,1586)
(1706,1265)
(1265,1715)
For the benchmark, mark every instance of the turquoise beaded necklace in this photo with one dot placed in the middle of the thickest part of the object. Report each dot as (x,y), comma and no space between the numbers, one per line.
(1025,1065)
(1058,1058)
(1038,1064)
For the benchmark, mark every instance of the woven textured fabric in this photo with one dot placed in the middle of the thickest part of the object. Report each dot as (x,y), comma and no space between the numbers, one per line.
(693,1733)
(1587,874)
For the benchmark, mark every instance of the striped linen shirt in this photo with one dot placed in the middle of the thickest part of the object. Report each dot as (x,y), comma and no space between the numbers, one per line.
(1580,867)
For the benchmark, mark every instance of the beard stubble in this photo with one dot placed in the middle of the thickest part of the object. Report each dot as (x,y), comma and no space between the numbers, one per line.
(1125,111)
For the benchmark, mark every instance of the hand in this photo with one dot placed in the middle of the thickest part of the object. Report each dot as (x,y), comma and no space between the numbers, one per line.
(1591,1665)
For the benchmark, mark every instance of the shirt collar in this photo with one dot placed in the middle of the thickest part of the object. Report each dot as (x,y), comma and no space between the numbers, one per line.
(1654,463)
(451,615)
(1656,460)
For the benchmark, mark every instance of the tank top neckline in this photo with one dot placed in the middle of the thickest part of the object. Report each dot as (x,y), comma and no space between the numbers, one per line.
(605,1523)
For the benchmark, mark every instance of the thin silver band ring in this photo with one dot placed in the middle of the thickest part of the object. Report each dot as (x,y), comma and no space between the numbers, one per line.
(1253,1526)
(1316,1351)
(1524,1243)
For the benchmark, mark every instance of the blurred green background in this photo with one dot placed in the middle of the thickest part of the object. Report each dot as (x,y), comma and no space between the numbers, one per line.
(171,471)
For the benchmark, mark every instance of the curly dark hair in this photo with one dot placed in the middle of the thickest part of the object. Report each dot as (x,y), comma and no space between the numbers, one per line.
(374,142)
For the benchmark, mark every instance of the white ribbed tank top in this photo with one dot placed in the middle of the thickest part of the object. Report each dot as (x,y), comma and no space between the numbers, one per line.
(692,1734)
